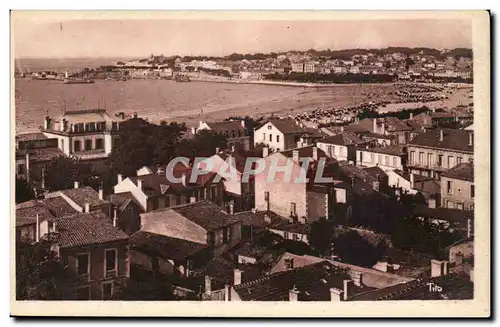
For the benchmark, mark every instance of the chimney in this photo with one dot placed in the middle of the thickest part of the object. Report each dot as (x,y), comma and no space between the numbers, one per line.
(412,181)
(293,294)
(217,150)
(374,125)
(336,294)
(208,285)
(441,135)
(315,153)
(471,139)
(37,228)
(227,290)
(231,208)
(411,115)
(76,184)
(192,199)
(139,184)
(183,177)
(115,217)
(471,273)
(357,278)
(267,218)
(46,123)
(27,166)
(243,123)
(237,277)
(232,148)
(193,130)
(347,288)
(342,128)
(119,177)
(439,268)
(459,258)
(43,178)
(295,156)
(265,152)
(87,208)
(101,192)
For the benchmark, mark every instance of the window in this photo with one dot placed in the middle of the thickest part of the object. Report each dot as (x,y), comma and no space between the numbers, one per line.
(288,263)
(269,127)
(167,200)
(460,206)
(264,136)
(421,158)
(88,145)
(83,293)
(77,146)
(270,137)
(412,157)
(448,187)
(380,159)
(471,207)
(277,138)
(386,160)
(107,290)
(226,235)
(293,209)
(451,162)
(110,258)
(472,191)
(372,158)
(450,205)
(440,160)
(286,235)
(277,149)
(83,264)
(333,149)
(459,160)
(266,196)
(394,162)
(99,144)
(20,169)
(154,203)
(429,159)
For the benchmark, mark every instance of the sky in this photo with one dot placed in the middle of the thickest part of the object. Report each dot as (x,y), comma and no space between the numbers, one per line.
(56,38)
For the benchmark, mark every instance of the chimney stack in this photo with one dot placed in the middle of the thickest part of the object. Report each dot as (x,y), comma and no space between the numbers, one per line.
(243,123)
(441,135)
(217,150)
(208,285)
(347,288)
(27,166)
(295,156)
(87,208)
(336,294)
(293,294)
(119,177)
(412,181)
(237,277)
(439,268)
(265,152)
(192,199)
(101,192)
(374,125)
(43,178)
(232,148)
(411,115)
(469,228)
(37,228)
(315,153)
(115,217)
(471,139)
(139,184)
(76,184)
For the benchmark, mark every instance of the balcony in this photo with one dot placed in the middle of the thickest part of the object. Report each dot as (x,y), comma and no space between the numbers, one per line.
(434,167)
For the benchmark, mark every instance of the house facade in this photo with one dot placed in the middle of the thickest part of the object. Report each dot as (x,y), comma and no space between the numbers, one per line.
(457,187)
(432,153)
(279,134)
(387,158)
(235,131)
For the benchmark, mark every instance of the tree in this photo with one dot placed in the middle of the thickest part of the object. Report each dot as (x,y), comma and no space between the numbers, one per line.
(24,191)
(136,290)
(63,171)
(39,274)
(352,248)
(321,235)
(203,144)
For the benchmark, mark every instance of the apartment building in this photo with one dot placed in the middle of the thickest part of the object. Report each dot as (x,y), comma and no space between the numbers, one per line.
(283,134)
(235,131)
(387,158)
(457,187)
(341,146)
(436,151)
(85,134)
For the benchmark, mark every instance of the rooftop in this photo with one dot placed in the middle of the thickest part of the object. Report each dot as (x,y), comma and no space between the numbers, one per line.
(30,137)
(285,126)
(88,115)
(165,246)
(304,152)
(447,214)
(86,229)
(394,150)
(453,139)
(346,138)
(257,219)
(226,126)
(312,281)
(47,209)
(83,195)
(463,171)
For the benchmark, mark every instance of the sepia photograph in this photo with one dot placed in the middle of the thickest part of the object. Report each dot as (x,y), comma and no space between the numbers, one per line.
(167,163)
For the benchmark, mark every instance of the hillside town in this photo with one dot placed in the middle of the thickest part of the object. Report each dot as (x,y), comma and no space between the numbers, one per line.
(99,217)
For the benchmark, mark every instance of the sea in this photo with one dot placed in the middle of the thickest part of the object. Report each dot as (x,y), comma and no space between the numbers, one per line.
(158,100)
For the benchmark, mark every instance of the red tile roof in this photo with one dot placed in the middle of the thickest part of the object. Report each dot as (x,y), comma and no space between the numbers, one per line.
(453,139)
(463,171)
